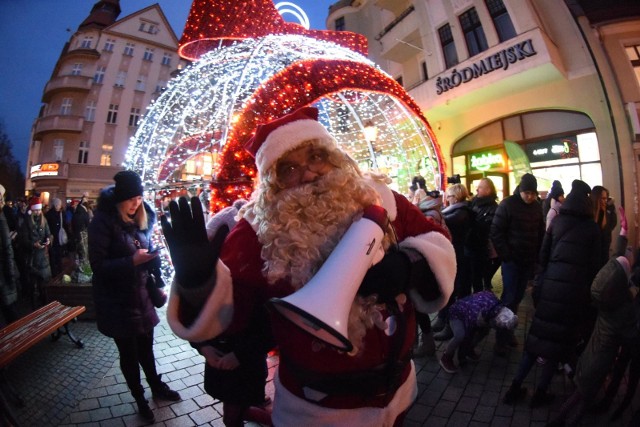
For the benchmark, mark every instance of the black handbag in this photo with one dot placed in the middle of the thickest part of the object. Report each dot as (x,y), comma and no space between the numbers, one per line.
(156,293)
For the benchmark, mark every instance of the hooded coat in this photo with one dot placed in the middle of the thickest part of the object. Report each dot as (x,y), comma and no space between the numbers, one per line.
(569,260)
(615,326)
(123,306)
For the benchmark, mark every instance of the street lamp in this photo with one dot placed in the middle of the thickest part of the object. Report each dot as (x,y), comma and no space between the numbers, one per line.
(371,135)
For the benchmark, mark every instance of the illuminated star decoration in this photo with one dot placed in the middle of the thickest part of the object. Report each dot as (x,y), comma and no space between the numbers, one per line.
(251,70)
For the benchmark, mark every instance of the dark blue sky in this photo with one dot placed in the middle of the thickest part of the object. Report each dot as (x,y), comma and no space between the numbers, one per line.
(33,33)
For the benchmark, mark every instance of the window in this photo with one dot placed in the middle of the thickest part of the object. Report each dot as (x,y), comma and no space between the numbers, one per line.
(83,152)
(340,24)
(90,111)
(633,52)
(160,86)
(166,59)
(501,19)
(134,117)
(423,67)
(105,158)
(108,45)
(140,83)
(128,49)
(76,70)
(65,108)
(148,54)
(98,77)
(147,27)
(121,78)
(86,43)
(448,46)
(58,149)
(112,114)
(473,32)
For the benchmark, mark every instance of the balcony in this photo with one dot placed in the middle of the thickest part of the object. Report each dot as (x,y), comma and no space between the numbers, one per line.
(81,53)
(394,6)
(401,38)
(66,84)
(58,123)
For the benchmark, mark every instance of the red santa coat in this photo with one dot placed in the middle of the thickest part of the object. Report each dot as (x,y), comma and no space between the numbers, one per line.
(304,359)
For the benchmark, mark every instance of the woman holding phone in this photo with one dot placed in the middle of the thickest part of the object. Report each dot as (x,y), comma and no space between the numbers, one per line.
(119,240)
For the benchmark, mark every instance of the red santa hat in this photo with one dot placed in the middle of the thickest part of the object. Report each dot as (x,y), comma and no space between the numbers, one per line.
(35,203)
(272,140)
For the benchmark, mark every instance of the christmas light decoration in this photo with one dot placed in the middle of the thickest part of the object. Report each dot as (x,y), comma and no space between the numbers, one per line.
(216,103)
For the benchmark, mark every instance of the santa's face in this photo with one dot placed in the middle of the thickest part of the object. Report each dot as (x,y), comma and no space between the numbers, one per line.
(302,166)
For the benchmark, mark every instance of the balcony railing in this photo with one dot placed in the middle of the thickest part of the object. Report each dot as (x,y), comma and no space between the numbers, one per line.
(58,123)
(66,83)
(395,22)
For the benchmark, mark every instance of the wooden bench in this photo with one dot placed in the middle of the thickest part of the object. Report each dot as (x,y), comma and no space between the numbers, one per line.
(24,333)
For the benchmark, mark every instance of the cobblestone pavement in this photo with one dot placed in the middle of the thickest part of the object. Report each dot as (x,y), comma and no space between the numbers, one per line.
(66,386)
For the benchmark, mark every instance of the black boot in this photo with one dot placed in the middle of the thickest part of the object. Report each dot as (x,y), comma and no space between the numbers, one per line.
(161,390)
(541,398)
(143,409)
(515,393)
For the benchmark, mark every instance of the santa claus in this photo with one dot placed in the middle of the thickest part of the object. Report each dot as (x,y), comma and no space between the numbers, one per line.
(309,201)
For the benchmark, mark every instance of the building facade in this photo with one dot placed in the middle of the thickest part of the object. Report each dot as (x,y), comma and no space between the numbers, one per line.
(512,85)
(109,71)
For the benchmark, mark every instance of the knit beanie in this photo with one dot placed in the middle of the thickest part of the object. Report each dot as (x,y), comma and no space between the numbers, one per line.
(556,190)
(128,185)
(528,182)
(580,188)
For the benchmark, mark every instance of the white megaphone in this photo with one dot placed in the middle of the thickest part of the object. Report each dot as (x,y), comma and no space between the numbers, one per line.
(322,306)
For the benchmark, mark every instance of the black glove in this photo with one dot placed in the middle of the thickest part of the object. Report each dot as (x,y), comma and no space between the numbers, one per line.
(387,278)
(194,257)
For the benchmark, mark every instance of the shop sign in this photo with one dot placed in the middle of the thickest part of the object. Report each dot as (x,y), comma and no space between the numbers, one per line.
(497,61)
(552,149)
(45,169)
(486,160)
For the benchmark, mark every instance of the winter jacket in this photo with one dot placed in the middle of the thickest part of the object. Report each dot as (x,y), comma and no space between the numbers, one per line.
(122,302)
(55,219)
(517,230)
(39,229)
(8,269)
(80,219)
(615,325)
(459,218)
(484,209)
(569,262)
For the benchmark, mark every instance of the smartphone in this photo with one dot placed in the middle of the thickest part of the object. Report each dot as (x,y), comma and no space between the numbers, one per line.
(155,249)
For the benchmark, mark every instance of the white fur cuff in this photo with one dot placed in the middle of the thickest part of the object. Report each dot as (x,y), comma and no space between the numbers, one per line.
(214,317)
(439,253)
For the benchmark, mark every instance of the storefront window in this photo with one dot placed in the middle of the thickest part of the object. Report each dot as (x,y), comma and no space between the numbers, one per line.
(570,151)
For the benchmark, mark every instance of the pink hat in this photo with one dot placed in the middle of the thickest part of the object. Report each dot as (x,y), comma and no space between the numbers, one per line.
(272,140)
(35,203)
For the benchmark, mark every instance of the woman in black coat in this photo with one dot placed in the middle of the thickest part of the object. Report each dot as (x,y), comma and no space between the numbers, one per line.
(118,251)
(569,261)
(604,213)
(458,216)
(483,257)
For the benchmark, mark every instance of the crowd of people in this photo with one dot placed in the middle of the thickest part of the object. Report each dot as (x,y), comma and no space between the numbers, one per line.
(35,241)
(344,277)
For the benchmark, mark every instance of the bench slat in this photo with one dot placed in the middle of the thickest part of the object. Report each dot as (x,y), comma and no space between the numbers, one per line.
(19,336)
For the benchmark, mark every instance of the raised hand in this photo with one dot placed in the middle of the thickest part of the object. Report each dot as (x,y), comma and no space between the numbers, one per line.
(623,219)
(194,257)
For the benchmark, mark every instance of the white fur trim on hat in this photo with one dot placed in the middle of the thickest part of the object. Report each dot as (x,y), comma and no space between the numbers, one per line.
(36,206)
(439,253)
(215,316)
(287,137)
